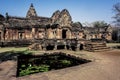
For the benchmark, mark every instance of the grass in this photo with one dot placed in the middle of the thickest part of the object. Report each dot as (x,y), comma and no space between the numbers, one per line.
(112,44)
(6,49)
(12,49)
(33,69)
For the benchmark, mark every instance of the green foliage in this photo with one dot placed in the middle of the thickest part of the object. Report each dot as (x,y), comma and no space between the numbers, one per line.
(66,62)
(33,69)
(26,52)
(114,34)
(30,65)
(116,9)
(99,24)
(30,68)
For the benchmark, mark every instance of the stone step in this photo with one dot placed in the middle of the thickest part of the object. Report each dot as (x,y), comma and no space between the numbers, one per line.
(100,50)
(96,43)
(98,46)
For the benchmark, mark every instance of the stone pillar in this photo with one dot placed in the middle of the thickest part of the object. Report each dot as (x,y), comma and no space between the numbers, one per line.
(40,47)
(55,47)
(68,33)
(77,48)
(44,48)
(70,47)
(33,32)
(60,33)
(65,47)
(2,36)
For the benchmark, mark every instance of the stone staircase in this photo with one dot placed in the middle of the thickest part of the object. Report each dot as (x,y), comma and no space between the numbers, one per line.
(96,46)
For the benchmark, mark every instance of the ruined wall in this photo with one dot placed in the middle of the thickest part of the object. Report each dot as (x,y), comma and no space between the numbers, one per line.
(1,32)
(80,35)
(58,33)
(68,33)
(28,34)
(55,17)
(50,33)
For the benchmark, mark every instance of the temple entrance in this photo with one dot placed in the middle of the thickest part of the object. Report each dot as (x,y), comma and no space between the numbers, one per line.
(0,36)
(21,35)
(60,47)
(64,34)
(50,47)
(81,46)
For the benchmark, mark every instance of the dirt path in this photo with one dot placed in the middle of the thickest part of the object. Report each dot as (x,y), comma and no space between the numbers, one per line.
(106,66)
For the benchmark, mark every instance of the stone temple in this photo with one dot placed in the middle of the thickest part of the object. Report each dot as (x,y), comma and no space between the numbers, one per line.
(47,32)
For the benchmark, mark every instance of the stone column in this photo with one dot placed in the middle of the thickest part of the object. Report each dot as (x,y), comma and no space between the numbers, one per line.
(78,46)
(68,33)
(2,35)
(55,47)
(40,47)
(65,47)
(33,32)
(60,33)
(44,48)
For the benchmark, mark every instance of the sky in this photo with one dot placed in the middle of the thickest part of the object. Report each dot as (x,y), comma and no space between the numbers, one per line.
(80,10)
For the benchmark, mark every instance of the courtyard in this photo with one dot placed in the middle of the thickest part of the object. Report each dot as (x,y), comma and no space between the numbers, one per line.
(104,66)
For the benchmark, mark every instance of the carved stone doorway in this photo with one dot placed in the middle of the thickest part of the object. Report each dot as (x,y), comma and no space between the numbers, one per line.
(0,36)
(64,34)
(20,35)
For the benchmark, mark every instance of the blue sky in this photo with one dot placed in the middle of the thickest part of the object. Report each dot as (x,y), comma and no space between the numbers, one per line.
(80,10)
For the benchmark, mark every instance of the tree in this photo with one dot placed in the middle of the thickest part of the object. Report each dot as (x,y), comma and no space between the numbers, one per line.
(99,24)
(87,24)
(116,9)
(115,34)
(77,24)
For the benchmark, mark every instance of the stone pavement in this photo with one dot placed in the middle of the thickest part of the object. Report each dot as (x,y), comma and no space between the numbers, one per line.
(105,66)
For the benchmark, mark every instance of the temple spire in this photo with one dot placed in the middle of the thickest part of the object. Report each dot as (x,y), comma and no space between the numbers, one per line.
(31,12)
(31,5)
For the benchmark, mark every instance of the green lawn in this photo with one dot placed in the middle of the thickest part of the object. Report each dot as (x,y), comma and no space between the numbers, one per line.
(18,49)
(4,49)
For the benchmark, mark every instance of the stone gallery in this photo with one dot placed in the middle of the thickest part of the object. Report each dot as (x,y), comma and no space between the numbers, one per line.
(57,30)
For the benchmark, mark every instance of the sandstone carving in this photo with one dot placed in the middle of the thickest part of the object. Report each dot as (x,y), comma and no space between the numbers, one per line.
(31,12)
(35,46)
(65,18)
(55,17)
(62,18)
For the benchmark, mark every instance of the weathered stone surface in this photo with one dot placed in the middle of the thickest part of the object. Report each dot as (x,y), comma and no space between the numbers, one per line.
(31,12)
(55,17)
(62,18)
(35,46)
(65,18)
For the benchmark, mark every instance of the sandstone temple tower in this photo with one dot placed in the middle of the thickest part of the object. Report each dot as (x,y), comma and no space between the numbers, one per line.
(31,12)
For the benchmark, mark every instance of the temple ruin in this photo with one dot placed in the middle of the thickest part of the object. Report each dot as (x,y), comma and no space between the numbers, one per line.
(55,32)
